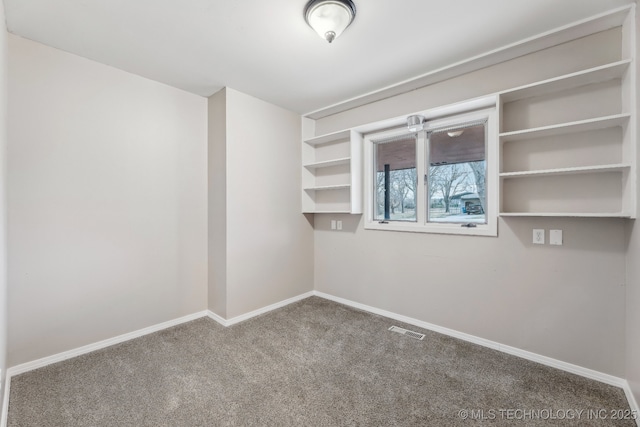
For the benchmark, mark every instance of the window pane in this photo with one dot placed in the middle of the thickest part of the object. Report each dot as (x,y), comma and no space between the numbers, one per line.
(457,175)
(396,179)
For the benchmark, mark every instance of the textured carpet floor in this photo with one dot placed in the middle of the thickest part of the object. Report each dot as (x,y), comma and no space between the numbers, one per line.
(312,363)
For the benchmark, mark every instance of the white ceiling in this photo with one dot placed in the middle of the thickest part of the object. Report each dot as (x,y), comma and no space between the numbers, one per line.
(264,47)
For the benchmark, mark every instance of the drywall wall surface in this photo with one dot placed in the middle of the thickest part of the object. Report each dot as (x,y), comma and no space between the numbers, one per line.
(107,197)
(565,302)
(3,202)
(580,54)
(633,310)
(217,202)
(633,273)
(269,242)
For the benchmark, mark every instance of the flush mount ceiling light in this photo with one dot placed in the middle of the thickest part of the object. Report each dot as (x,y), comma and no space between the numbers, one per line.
(415,123)
(329,18)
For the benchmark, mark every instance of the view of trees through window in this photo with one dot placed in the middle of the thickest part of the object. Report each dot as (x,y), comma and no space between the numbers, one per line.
(457,174)
(396,179)
(402,192)
(455,177)
(456,192)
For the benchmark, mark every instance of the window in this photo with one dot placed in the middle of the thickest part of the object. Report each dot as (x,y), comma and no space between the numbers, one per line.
(396,178)
(441,179)
(456,176)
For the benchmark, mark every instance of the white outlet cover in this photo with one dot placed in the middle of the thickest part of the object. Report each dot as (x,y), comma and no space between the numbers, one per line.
(555,237)
(538,236)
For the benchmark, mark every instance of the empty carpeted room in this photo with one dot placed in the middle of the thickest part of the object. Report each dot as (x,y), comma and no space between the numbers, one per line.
(319,213)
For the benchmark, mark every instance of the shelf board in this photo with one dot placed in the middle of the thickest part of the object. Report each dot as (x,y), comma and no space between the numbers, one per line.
(330,137)
(328,187)
(594,75)
(565,128)
(328,211)
(566,171)
(567,214)
(329,163)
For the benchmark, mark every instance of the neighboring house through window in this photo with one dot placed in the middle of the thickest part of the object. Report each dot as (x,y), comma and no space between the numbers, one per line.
(441,179)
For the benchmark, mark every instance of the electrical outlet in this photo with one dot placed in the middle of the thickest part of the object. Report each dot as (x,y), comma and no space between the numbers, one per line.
(339,225)
(555,237)
(538,236)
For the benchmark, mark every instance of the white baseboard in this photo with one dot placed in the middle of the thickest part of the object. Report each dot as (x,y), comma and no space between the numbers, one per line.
(254,313)
(534,357)
(5,401)
(548,361)
(633,404)
(565,366)
(39,363)
(217,318)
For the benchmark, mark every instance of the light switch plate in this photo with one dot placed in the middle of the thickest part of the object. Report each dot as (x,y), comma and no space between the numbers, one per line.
(339,225)
(538,236)
(333,224)
(555,237)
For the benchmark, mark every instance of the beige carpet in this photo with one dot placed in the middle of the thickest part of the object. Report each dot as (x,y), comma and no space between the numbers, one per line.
(312,363)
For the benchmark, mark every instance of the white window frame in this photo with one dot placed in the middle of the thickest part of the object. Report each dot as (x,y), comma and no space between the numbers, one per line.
(421,225)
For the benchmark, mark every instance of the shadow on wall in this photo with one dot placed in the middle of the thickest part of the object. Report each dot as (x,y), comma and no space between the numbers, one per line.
(310,218)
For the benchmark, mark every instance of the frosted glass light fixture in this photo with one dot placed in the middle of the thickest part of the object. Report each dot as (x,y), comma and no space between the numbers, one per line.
(455,133)
(329,18)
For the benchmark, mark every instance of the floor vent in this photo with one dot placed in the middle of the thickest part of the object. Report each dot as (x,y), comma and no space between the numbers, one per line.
(407,333)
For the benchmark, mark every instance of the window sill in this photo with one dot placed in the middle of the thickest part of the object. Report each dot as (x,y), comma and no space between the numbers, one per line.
(457,229)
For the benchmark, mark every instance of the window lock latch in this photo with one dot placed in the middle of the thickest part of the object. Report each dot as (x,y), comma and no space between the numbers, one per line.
(469,225)
(383,222)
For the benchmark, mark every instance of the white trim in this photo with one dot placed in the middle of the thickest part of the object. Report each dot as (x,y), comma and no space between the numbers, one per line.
(548,361)
(633,404)
(5,401)
(217,318)
(544,360)
(438,118)
(254,313)
(39,363)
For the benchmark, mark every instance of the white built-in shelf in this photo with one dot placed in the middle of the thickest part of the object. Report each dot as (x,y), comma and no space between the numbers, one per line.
(329,211)
(329,163)
(328,138)
(586,117)
(328,187)
(566,214)
(566,171)
(590,76)
(566,122)
(567,128)
(331,171)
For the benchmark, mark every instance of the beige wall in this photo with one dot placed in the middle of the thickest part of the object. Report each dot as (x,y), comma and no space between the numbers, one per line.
(562,302)
(3,207)
(107,202)
(633,310)
(217,217)
(633,279)
(269,243)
